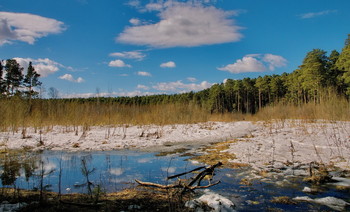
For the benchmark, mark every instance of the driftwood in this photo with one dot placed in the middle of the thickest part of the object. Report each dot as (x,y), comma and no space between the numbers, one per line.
(82,204)
(208,171)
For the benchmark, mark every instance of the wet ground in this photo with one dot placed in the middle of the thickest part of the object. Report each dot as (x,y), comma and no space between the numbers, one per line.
(271,189)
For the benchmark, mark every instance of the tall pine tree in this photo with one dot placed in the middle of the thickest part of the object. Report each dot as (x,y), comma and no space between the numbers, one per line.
(2,83)
(14,77)
(343,63)
(313,73)
(31,80)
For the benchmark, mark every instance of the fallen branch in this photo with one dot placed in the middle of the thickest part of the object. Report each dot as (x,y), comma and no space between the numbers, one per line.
(82,204)
(207,171)
(187,187)
(159,185)
(179,185)
(178,175)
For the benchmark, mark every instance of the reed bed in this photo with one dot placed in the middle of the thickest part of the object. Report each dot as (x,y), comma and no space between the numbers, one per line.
(17,113)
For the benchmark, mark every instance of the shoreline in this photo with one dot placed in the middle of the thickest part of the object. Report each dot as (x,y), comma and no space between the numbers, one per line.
(103,138)
(257,144)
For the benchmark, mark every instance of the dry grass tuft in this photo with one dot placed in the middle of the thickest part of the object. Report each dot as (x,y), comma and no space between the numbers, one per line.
(283,200)
(216,153)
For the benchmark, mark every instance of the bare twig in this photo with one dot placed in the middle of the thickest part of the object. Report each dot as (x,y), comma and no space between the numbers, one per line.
(189,186)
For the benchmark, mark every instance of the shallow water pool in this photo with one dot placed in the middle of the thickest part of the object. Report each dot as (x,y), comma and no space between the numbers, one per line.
(69,172)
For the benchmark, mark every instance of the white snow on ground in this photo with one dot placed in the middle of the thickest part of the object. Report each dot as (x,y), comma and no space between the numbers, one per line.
(258,144)
(332,202)
(295,141)
(214,201)
(123,137)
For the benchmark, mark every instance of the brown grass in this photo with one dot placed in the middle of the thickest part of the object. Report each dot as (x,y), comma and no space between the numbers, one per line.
(216,153)
(283,200)
(331,107)
(16,114)
(145,200)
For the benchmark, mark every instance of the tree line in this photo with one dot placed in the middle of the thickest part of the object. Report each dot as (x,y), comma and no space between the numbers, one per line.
(319,75)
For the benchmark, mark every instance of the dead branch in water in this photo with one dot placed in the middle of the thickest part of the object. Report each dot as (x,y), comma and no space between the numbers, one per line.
(209,171)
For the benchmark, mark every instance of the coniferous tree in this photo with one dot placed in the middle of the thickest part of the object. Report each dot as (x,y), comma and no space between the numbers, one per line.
(14,77)
(31,80)
(2,83)
(238,89)
(263,86)
(229,95)
(313,73)
(343,63)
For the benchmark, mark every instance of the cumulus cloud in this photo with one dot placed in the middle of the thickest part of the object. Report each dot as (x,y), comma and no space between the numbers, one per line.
(154,6)
(274,61)
(143,87)
(70,78)
(184,24)
(143,73)
(134,3)
(316,14)
(191,79)
(138,55)
(179,86)
(26,27)
(169,64)
(135,21)
(118,64)
(255,63)
(42,66)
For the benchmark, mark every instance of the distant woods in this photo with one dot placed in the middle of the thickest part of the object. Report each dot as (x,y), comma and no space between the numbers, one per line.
(321,76)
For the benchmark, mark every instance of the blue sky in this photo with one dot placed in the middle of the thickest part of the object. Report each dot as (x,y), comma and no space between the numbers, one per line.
(85,48)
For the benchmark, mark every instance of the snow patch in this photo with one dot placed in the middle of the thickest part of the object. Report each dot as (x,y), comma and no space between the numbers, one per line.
(214,201)
(332,202)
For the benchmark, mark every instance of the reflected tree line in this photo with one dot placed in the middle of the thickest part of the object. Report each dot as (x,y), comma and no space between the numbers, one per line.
(20,168)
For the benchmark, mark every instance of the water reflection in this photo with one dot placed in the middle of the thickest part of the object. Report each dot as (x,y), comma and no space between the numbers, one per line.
(84,172)
(68,172)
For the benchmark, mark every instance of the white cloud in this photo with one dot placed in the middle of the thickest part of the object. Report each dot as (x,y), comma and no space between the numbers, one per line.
(135,21)
(44,67)
(138,55)
(316,14)
(191,79)
(184,24)
(246,64)
(143,73)
(274,61)
(143,87)
(70,78)
(154,6)
(26,27)
(119,64)
(134,3)
(255,63)
(179,86)
(169,64)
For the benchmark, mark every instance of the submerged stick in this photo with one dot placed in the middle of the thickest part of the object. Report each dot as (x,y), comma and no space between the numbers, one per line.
(178,175)
(201,175)
(158,185)
(187,187)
